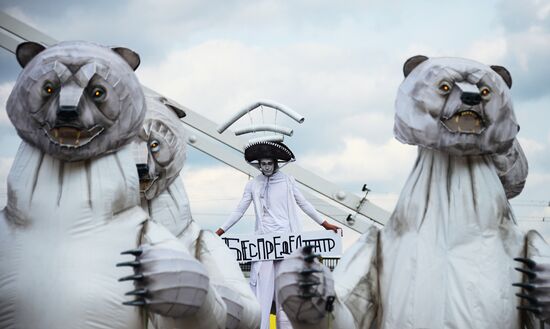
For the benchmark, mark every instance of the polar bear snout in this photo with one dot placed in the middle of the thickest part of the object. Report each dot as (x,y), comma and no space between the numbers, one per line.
(470,98)
(67,114)
(143,171)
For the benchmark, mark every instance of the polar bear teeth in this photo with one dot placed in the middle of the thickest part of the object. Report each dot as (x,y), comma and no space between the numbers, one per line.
(72,137)
(468,122)
(146,183)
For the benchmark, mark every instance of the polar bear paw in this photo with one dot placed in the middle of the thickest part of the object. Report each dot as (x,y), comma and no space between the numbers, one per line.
(167,281)
(305,287)
(536,289)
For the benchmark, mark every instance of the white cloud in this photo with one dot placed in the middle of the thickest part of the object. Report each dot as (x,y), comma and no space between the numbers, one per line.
(360,161)
(529,46)
(531,147)
(214,68)
(524,15)
(310,77)
(527,31)
(214,184)
(371,125)
(538,181)
(5,90)
(544,12)
(490,51)
(213,193)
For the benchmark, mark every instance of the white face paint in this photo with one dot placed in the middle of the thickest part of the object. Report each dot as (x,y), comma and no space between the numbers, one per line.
(267,167)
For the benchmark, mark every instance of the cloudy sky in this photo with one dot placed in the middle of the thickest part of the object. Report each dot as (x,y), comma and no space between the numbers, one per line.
(337,64)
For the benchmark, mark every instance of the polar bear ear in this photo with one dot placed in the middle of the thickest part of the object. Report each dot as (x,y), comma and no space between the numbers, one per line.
(26,51)
(130,56)
(504,73)
(413,62)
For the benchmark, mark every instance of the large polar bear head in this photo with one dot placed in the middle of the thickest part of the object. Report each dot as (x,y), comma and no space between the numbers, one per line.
(165,142)
(76,100)
(455,105)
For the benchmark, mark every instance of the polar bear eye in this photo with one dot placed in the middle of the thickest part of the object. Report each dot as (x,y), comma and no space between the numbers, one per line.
(485,92)
(445,87)
(98,93)
(154,146)
(48,89)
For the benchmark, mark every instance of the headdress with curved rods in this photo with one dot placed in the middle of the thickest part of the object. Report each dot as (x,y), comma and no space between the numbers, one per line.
(266,145)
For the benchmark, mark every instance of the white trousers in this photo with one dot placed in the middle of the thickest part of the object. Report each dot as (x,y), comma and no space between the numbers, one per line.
(265,293)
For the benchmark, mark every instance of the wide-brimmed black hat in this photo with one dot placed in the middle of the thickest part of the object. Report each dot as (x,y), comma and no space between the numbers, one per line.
(268,150)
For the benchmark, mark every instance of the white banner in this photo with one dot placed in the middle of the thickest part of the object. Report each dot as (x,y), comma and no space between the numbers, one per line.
(277,246)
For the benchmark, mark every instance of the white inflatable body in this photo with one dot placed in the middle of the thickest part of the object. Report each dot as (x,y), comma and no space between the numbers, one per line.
(165,199)
(446,257)
(74,204)
(60,237)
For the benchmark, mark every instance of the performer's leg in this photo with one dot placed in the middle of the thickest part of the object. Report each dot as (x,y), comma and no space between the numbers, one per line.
(282,319)
(265,288)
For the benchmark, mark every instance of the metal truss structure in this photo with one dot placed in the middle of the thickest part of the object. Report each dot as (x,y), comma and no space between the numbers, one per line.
(351,210)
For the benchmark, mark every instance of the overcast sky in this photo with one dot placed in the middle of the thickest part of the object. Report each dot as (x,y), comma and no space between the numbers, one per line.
(337,64)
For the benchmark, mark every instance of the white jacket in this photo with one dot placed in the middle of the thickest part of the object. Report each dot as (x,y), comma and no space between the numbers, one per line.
(282,208)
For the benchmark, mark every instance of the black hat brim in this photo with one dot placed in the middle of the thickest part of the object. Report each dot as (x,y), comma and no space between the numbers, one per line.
(268,150)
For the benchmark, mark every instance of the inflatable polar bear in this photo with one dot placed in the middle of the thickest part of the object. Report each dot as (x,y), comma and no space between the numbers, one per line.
(163,142)
(74,205)
(446,257)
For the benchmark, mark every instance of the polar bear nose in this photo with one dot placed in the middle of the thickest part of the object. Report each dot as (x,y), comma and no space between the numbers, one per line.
(67,113)
(143,170)
(470,98)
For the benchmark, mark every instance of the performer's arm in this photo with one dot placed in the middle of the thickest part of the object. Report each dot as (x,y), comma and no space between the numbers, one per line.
(309,210)
(238,213)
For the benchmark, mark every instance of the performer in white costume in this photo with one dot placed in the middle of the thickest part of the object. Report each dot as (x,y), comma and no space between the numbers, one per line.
(275,196)
(73,204)
(446,257)
(164,143)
